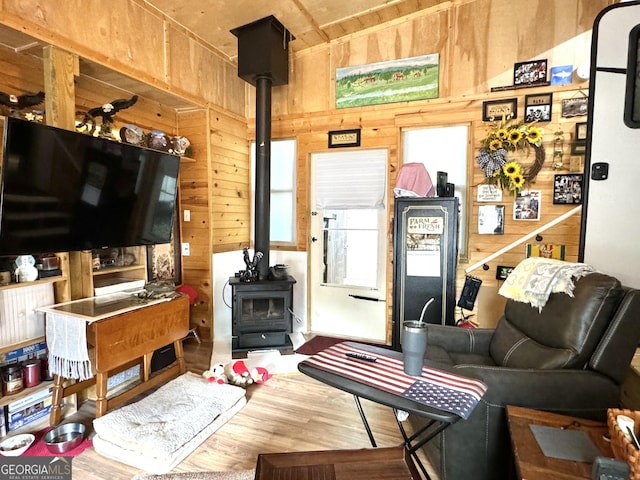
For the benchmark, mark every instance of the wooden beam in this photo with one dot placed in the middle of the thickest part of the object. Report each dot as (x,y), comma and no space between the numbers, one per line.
(60,70)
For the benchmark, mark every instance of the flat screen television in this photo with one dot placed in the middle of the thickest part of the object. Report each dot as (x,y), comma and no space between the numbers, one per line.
(65,191)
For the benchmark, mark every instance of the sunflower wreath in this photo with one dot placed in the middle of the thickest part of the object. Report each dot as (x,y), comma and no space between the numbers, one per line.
(507,137)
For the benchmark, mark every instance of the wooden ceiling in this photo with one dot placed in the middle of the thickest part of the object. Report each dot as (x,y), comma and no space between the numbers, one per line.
(312,22)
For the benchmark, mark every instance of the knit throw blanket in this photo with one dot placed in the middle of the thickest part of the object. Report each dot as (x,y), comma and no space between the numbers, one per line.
(536,278)
(67,345)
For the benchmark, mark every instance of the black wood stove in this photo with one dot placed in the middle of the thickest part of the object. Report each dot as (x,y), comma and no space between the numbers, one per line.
(261,313)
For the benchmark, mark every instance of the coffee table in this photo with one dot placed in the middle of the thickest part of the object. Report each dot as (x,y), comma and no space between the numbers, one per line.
(532,464)
(363,464)
(358,377)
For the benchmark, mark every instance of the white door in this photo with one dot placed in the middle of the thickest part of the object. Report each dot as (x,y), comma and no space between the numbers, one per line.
(347,254)
(610,227)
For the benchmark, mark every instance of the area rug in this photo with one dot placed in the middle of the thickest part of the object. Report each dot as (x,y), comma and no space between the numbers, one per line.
(320,342)
(158,432)
(237,475)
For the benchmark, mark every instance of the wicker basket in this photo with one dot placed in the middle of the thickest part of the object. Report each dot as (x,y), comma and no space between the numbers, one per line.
(622,448)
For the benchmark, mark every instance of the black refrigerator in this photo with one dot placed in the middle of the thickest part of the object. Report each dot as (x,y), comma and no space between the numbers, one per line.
(425,258)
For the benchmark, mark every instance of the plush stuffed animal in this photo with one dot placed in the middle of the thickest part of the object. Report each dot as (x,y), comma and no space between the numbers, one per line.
(260,374)
(238,374)
(216,374)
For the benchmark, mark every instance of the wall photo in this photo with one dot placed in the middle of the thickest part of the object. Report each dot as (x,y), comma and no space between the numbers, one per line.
(415,78)
(537,108)
(567,189)
(527,205)
(491,219)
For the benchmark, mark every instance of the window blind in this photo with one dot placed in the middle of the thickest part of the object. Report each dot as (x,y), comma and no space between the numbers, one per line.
(351,180)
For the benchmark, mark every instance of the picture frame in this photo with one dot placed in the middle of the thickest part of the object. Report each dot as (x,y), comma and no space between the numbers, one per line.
(530,73)
(491,219)
(581,131)
(561,75)
(574,107)
(392,81)
(344,138)
(164,261)
(537,108)
(578,148)
(526,205)
(567,189)
(499,109)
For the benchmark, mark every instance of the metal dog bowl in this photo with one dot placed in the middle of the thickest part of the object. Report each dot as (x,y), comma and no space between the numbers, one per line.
(64,437)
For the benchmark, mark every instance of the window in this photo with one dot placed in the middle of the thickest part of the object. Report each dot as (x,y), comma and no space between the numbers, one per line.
(283,190)
(443,149)
(351,246)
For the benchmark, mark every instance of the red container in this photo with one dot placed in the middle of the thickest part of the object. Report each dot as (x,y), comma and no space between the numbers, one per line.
(31,373)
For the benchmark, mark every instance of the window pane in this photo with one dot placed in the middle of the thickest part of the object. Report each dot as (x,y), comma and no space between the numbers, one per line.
(282,188)
(281,227)
(351,247)
(283,156)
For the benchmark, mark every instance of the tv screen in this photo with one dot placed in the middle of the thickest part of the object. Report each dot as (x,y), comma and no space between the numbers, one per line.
(66,191)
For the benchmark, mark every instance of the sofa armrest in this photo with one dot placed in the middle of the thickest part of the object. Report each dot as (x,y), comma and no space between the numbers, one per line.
(460,340)
(562,390)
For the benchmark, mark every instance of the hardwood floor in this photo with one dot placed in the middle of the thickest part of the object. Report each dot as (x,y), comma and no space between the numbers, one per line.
(290,412)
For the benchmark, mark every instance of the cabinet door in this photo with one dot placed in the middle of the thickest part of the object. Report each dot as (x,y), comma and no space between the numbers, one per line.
(425,246)
(18,319)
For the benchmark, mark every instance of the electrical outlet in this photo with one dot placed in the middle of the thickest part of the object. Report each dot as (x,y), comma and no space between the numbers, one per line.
(186,249)
(187,215)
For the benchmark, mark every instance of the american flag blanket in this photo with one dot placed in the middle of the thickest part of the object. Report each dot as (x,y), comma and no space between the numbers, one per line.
(435,388)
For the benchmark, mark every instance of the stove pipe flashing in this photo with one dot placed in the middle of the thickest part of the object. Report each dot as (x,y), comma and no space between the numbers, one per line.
(263,56)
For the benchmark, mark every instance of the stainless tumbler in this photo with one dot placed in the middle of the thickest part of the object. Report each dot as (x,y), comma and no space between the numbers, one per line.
(414,346)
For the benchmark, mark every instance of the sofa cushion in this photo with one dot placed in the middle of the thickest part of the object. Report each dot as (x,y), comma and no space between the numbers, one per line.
(437,355)
(564,334)
(512,348)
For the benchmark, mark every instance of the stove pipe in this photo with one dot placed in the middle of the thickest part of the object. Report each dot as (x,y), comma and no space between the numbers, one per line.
(263,62)
(263,173)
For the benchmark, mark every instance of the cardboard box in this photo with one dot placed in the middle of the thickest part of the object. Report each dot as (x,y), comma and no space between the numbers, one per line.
(37,350)
(3,428)
(28,409)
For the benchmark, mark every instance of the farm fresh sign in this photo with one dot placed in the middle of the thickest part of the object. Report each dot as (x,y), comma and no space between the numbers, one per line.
(414,78)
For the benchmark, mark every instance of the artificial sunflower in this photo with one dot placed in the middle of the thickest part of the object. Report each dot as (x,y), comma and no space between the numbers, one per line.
(495,145)
(515,135)
(534,136)
(512,169)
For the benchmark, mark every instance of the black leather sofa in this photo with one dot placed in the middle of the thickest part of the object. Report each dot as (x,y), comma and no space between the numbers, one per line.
(570,358)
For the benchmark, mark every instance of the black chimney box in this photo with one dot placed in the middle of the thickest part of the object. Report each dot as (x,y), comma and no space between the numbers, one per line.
(263,50)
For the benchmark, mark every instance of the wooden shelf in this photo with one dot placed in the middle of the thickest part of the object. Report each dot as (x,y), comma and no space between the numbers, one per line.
(7,399)
(112,270)
(40,281)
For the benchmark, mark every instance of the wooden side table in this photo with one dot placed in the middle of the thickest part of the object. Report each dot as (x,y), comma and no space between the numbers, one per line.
(531,463)
(122,339)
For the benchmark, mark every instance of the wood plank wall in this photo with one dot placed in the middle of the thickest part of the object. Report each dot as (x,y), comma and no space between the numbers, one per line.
(478,42)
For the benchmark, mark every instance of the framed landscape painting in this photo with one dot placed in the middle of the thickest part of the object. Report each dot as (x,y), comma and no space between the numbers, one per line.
(414,78)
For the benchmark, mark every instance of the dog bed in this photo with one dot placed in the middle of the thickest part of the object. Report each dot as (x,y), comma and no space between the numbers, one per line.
(158,432)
